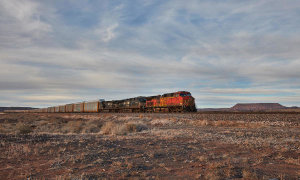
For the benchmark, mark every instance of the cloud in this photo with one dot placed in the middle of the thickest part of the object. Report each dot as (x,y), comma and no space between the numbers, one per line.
(106,33)
(223,52)
(21,23)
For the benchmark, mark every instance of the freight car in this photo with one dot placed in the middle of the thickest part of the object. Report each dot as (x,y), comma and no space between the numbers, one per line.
(181,101)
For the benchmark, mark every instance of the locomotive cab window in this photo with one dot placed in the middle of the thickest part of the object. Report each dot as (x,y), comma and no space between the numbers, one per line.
(183,95)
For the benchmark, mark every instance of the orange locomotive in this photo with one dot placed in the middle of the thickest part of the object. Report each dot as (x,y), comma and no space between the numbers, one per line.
(181,101)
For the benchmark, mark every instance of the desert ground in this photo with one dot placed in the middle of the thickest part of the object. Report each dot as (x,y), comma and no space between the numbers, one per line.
(150,146)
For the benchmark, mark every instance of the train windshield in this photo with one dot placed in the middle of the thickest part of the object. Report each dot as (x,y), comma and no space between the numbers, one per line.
(185,94)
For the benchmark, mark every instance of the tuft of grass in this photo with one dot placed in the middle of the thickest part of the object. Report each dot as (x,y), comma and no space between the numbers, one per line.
(228,123)
(247,174)
(24,128)
(2,129)
(122,129)
(92,126)
(135,127)
(108,127)
(203,123)
(161,122)
(212,175)
(74,126)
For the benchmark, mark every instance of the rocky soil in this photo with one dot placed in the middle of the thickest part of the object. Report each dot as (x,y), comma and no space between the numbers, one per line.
(150,146)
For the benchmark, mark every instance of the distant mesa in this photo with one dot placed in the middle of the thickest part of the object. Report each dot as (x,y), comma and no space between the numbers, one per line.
(257,107)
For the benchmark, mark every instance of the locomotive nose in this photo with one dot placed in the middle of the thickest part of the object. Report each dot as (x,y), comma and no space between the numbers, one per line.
(189,100)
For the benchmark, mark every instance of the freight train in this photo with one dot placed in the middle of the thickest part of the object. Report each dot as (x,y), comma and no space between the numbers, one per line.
(181,101)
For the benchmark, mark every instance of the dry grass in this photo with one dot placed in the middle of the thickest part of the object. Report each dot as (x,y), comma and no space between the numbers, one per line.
(228,123)
(57,125)
(73,127)
(122,129)
(92,126)
(212,175)
(161,122)
(248,174)
(24,128)
(176,146)
(2,129)
(108,128)
(293,161)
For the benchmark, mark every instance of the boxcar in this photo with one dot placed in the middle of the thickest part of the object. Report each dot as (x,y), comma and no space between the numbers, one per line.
(92,106)
(78,107)
(62,108)
(69,108)
(52,109)
(56,109)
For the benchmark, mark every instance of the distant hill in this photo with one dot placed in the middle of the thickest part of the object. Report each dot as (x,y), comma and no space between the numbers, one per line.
(257,107)
(15,108)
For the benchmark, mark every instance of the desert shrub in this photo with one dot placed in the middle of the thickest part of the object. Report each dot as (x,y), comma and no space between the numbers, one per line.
(73,127)
(161,122)
(24,128)
(202,123)
(108,127)
(122,129)
(248,174)
(2,129)
(212,175)
(92,126)
(135,127)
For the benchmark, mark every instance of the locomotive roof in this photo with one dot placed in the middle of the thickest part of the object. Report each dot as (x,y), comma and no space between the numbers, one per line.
(182,92)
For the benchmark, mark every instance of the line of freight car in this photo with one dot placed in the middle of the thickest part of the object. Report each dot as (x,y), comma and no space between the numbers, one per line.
(181,101)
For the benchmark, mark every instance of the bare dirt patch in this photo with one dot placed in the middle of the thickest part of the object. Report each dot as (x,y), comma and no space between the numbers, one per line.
(150,146)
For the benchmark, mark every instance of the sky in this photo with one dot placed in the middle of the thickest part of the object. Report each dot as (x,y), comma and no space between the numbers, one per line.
(224,52)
